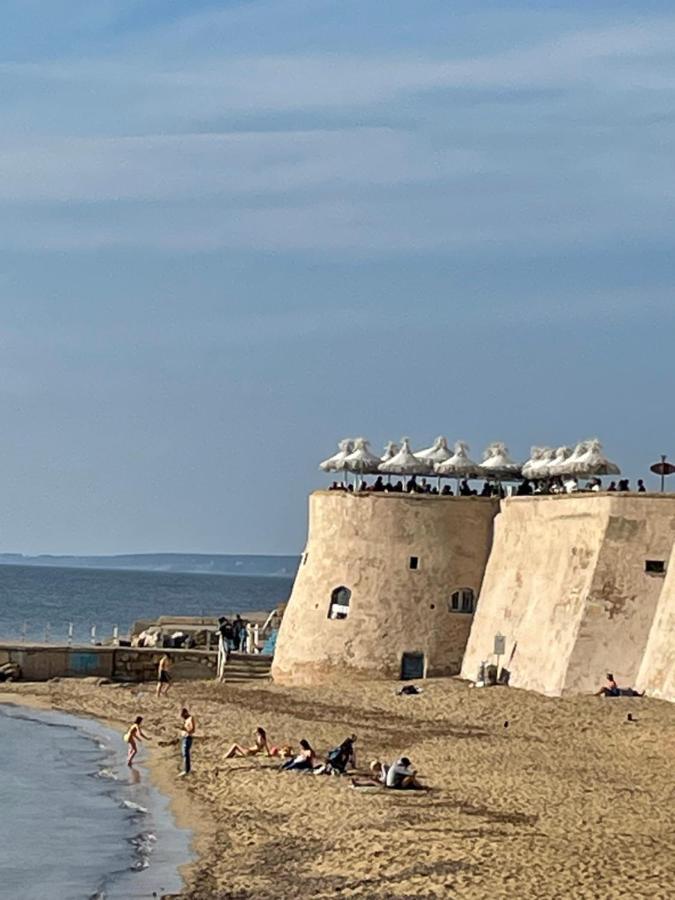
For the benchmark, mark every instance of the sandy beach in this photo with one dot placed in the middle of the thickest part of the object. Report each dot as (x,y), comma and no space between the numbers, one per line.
(530,797)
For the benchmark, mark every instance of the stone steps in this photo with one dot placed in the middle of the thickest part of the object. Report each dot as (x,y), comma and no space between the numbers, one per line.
(242,667)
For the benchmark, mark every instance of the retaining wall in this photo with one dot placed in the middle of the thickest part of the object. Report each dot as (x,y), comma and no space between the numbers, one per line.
(42,662)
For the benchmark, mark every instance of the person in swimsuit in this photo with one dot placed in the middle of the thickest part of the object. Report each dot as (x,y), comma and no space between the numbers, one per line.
(133,734)
(306,759)
(261,745)
(163,675)
(188,728)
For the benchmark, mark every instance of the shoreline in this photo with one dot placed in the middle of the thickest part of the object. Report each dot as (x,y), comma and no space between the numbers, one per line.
(153,762)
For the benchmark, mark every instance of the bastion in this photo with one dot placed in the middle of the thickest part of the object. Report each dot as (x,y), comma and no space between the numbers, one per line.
(386,586)
(573,583)
(657,672)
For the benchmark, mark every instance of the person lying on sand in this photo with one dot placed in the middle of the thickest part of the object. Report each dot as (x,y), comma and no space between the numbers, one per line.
(378,775)
(261,745)
(306,759)
(612,689)
(134,733)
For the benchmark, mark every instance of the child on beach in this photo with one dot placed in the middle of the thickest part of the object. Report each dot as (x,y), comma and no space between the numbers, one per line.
(261,745)
(133,734)
(163,675)
(188,728)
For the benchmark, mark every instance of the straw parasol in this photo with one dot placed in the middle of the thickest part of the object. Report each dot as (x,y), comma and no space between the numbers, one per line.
(439,452)
(570,466)
(592,462)
(405,462)
(497,463)
(538,465)
(361,460)
(336,462)
(562,455)
(459,465)
(390,449)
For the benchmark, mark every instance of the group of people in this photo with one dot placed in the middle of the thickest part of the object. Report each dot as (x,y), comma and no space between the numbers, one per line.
(338,761)
(526,487)
(238,635)
(188,726)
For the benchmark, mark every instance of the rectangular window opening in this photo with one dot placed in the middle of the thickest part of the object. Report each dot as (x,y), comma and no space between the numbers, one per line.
(414,562)
(655,566)
(305,558)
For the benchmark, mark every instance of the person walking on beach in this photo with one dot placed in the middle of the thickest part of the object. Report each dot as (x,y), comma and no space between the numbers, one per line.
(133,734)
(188,728)
(163,675)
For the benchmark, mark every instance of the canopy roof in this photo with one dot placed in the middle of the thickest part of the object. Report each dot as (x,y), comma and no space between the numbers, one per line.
(405,462)
(336,462)
(361,459)
(498,464)
(437,453)
(459,465)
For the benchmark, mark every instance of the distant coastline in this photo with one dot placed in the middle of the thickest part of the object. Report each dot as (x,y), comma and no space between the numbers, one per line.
(187,563)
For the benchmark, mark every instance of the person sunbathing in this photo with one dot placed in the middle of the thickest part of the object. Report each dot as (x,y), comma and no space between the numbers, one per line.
(306,759)
(612,689)
(377,778)
(261,745)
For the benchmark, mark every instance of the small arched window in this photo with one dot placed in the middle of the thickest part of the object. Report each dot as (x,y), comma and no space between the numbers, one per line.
(339,603)
(463,601)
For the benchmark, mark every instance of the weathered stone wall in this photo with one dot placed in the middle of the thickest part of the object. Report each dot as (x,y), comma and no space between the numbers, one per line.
(365,542)
(657,672)
(42,662)
(566,584)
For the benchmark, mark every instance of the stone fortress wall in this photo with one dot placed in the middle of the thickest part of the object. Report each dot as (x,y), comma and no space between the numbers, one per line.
(401,557)
(578,585)
(569,584)
(657,672)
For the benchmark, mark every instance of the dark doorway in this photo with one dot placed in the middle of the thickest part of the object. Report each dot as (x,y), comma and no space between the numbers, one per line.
(412,666)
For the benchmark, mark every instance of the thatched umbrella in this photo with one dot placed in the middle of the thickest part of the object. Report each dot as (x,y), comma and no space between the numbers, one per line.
(537,466)
(591,462)
(390,449)
(498,465)
(439,452)
(562,455)
(361,460)
(405,462)
(335,463)
(459,465)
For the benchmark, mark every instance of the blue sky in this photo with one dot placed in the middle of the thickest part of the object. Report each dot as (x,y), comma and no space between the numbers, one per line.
(232,233)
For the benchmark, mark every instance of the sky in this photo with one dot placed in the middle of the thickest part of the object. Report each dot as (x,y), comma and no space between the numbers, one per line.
(232,233)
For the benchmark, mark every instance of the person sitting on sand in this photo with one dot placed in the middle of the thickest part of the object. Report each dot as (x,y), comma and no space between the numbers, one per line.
(163,675)
(341,758)
(134,733)
(401,776)
(261,745)
(609,689)
(612,689)
(306,759)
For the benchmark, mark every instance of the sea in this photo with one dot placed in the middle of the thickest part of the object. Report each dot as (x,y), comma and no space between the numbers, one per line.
(75,822)
(39,603)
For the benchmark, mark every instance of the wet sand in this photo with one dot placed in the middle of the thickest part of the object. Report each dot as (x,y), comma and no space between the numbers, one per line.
(568,799)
